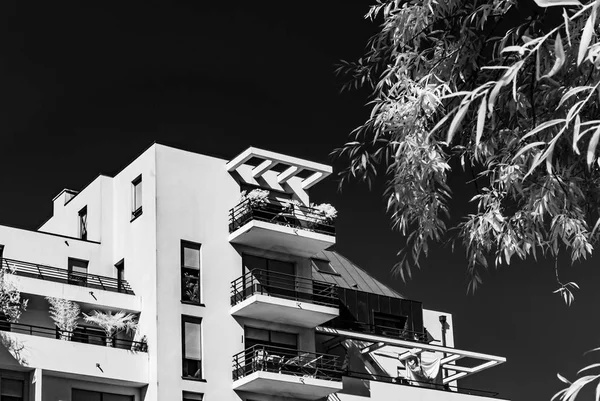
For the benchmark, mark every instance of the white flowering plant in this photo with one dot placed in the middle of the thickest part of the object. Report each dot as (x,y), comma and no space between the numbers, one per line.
(291,205)
(256,197)
(325,210)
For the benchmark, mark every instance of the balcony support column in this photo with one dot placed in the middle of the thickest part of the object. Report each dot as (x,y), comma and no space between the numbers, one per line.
(36,385)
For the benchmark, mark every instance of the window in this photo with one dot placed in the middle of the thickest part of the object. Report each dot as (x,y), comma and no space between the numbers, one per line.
(120,275)
(191,347)
(11,389)
(136,210)
(83,231)
(190,272)
(387,324)
(275,276)
(86,395)
(189,396)
(280,339)
(78,271)
(323,266)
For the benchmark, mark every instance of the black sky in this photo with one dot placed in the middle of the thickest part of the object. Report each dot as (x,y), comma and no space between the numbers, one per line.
(85,87)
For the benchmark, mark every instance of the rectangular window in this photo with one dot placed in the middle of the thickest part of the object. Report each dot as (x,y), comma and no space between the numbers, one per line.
(77,271)
(189,396)
(190,272)
(273,338)
(191,347)
(86,395)
(83,231)
(120,275)
(275,277)
(11,389)
(136,197)
(323,266)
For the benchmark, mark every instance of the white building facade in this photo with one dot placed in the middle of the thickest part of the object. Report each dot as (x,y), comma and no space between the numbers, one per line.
(236,298)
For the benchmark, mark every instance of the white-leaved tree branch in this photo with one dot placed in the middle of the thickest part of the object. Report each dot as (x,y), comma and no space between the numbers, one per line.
(507,89)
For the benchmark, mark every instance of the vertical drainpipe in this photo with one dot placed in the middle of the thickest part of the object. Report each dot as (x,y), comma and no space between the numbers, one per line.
(443,323)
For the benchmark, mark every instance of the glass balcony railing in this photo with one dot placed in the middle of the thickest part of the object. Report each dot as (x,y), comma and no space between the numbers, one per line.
(283,286)
(295,216)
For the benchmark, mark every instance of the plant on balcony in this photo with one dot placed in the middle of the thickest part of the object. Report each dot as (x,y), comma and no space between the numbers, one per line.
(11,303)
(65,315)
(323,213)
(256,198)
(112,323)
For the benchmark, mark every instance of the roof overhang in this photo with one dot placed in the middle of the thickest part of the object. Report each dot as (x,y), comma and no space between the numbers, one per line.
(293,166)
(411,348)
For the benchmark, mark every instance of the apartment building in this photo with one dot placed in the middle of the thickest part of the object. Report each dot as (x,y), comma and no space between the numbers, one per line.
(228,268)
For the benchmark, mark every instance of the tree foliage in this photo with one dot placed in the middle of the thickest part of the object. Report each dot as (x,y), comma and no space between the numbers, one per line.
(11,303)
(508,90)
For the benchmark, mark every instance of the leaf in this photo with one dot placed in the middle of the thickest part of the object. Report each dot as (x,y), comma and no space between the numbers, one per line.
(509,49)
(576,130)
(550,152)
(555,3)
(543,126)
(563,379)
(460,114)
(586,36)
(592,147)
(566,20)
(572,92)
(559,53)
(527,147)
(480,121)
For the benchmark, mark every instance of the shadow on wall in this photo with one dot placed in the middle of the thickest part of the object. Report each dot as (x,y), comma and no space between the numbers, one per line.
(12,349)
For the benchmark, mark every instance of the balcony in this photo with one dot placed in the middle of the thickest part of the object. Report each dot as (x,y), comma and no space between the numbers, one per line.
(74,354)
(58,275)
(283,298)
(49,281)
(296,230)
(286,372)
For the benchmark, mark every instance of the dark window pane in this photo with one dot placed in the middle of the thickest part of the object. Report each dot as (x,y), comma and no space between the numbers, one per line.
(254,262)
(323,266)
(278,266)
(84,395)
(189,396)
(257,334)
(116,397)
(288,339)
(11,387)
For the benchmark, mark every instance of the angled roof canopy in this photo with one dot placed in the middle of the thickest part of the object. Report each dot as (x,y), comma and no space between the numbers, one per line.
(287,166)
(411,348)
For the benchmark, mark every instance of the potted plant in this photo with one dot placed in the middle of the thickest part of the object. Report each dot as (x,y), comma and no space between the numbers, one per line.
(65,315)
(112,323)
(140,345)
(253,204)
(322,217)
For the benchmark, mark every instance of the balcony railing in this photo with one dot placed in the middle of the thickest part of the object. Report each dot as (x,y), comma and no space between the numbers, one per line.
(266,358)
(275,212)
(64,276)
(283,286)
(380,330)
(64,335)
(434,386)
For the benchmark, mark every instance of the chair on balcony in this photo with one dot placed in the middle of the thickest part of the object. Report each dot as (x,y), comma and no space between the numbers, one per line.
(305,364)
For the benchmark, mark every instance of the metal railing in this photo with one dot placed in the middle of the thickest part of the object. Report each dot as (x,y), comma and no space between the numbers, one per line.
(64,276)
(430,385)
(379,330)
(276,212)
(94,338)
(285,286)
(286,361)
